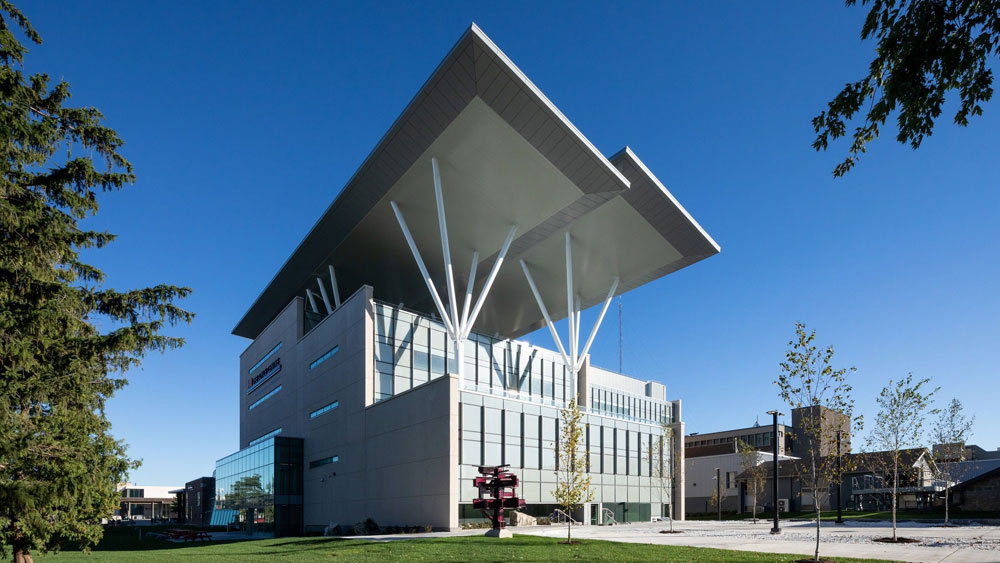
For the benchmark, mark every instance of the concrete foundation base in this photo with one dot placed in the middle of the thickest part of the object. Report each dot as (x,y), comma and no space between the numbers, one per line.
(502,533)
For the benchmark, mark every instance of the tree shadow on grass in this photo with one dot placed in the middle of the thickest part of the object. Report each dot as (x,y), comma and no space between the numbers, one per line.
(127,539)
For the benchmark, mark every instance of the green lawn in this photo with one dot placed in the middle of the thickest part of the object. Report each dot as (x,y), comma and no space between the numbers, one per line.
(122,545)
(902,515)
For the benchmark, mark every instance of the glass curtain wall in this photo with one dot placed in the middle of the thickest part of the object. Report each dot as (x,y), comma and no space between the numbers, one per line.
(629,407)
(411,349)
(261,487)
(624,462)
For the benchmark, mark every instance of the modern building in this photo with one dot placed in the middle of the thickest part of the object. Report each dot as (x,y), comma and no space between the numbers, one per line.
(386,360)
(145,502)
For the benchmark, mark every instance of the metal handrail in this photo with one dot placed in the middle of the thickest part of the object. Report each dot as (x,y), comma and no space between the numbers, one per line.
(561,517)
(608,517)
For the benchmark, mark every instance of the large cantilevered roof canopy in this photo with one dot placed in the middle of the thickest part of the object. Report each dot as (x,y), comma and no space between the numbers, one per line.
(507,157)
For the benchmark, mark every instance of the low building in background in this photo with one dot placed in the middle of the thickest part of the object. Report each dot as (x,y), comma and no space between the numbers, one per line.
(146,502)
(792,441)
(968,452)
(724,441)
(704,452)
(980,493)
(867,486)
(700,479)
(199,500)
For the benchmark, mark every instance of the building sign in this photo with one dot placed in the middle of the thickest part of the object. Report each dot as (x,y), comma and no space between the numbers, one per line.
(265,374)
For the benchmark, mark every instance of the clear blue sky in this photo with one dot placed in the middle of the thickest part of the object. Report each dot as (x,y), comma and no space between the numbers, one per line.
(244,121)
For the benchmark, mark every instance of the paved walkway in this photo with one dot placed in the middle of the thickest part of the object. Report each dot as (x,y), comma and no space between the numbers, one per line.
(966,543)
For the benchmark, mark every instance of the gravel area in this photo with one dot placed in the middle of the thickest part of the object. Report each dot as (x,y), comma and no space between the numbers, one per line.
(977,543)
(858,533)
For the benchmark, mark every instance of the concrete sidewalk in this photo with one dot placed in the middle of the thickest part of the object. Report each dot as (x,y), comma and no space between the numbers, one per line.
(966,543)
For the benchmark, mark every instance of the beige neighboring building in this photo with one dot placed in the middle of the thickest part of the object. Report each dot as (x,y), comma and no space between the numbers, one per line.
(724,442)
(790,442)
(145,502)
(386,363)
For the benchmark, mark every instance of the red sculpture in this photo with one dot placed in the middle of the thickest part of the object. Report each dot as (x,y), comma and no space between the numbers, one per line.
(494,481)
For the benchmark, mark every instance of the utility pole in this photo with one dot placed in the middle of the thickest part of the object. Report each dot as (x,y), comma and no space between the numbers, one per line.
(774,439)
(718,494)
(840,478)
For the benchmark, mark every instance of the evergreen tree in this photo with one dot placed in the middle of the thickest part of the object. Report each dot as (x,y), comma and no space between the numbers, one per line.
(59,466)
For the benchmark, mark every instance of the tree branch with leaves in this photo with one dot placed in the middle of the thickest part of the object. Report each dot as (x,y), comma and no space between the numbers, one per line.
(925,50)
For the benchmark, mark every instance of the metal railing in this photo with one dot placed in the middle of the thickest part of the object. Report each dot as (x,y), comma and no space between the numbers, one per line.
(608,517)
(560,517)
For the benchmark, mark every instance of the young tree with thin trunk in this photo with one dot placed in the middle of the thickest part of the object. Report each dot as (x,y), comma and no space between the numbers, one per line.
(809,381)
(898,426)
(66,340)
(718,496)
(660,456)
(572,480)
(754,472)
(949,435)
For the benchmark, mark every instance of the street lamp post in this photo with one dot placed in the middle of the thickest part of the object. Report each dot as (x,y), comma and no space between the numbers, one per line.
(776,529)
(840,479)
(718,494)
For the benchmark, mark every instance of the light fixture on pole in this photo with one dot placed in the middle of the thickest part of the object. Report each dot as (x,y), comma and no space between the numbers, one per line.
(840,478)
(776,529)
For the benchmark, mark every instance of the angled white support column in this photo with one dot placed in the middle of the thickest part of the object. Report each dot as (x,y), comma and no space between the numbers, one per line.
(423,269)
(597,325)
(322,292)
(449,274)
(570,315)
(576,333)
(457,321)
(336,291)
(468,289)
(574,356)
(489,282)
(545,313)
(312,301)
